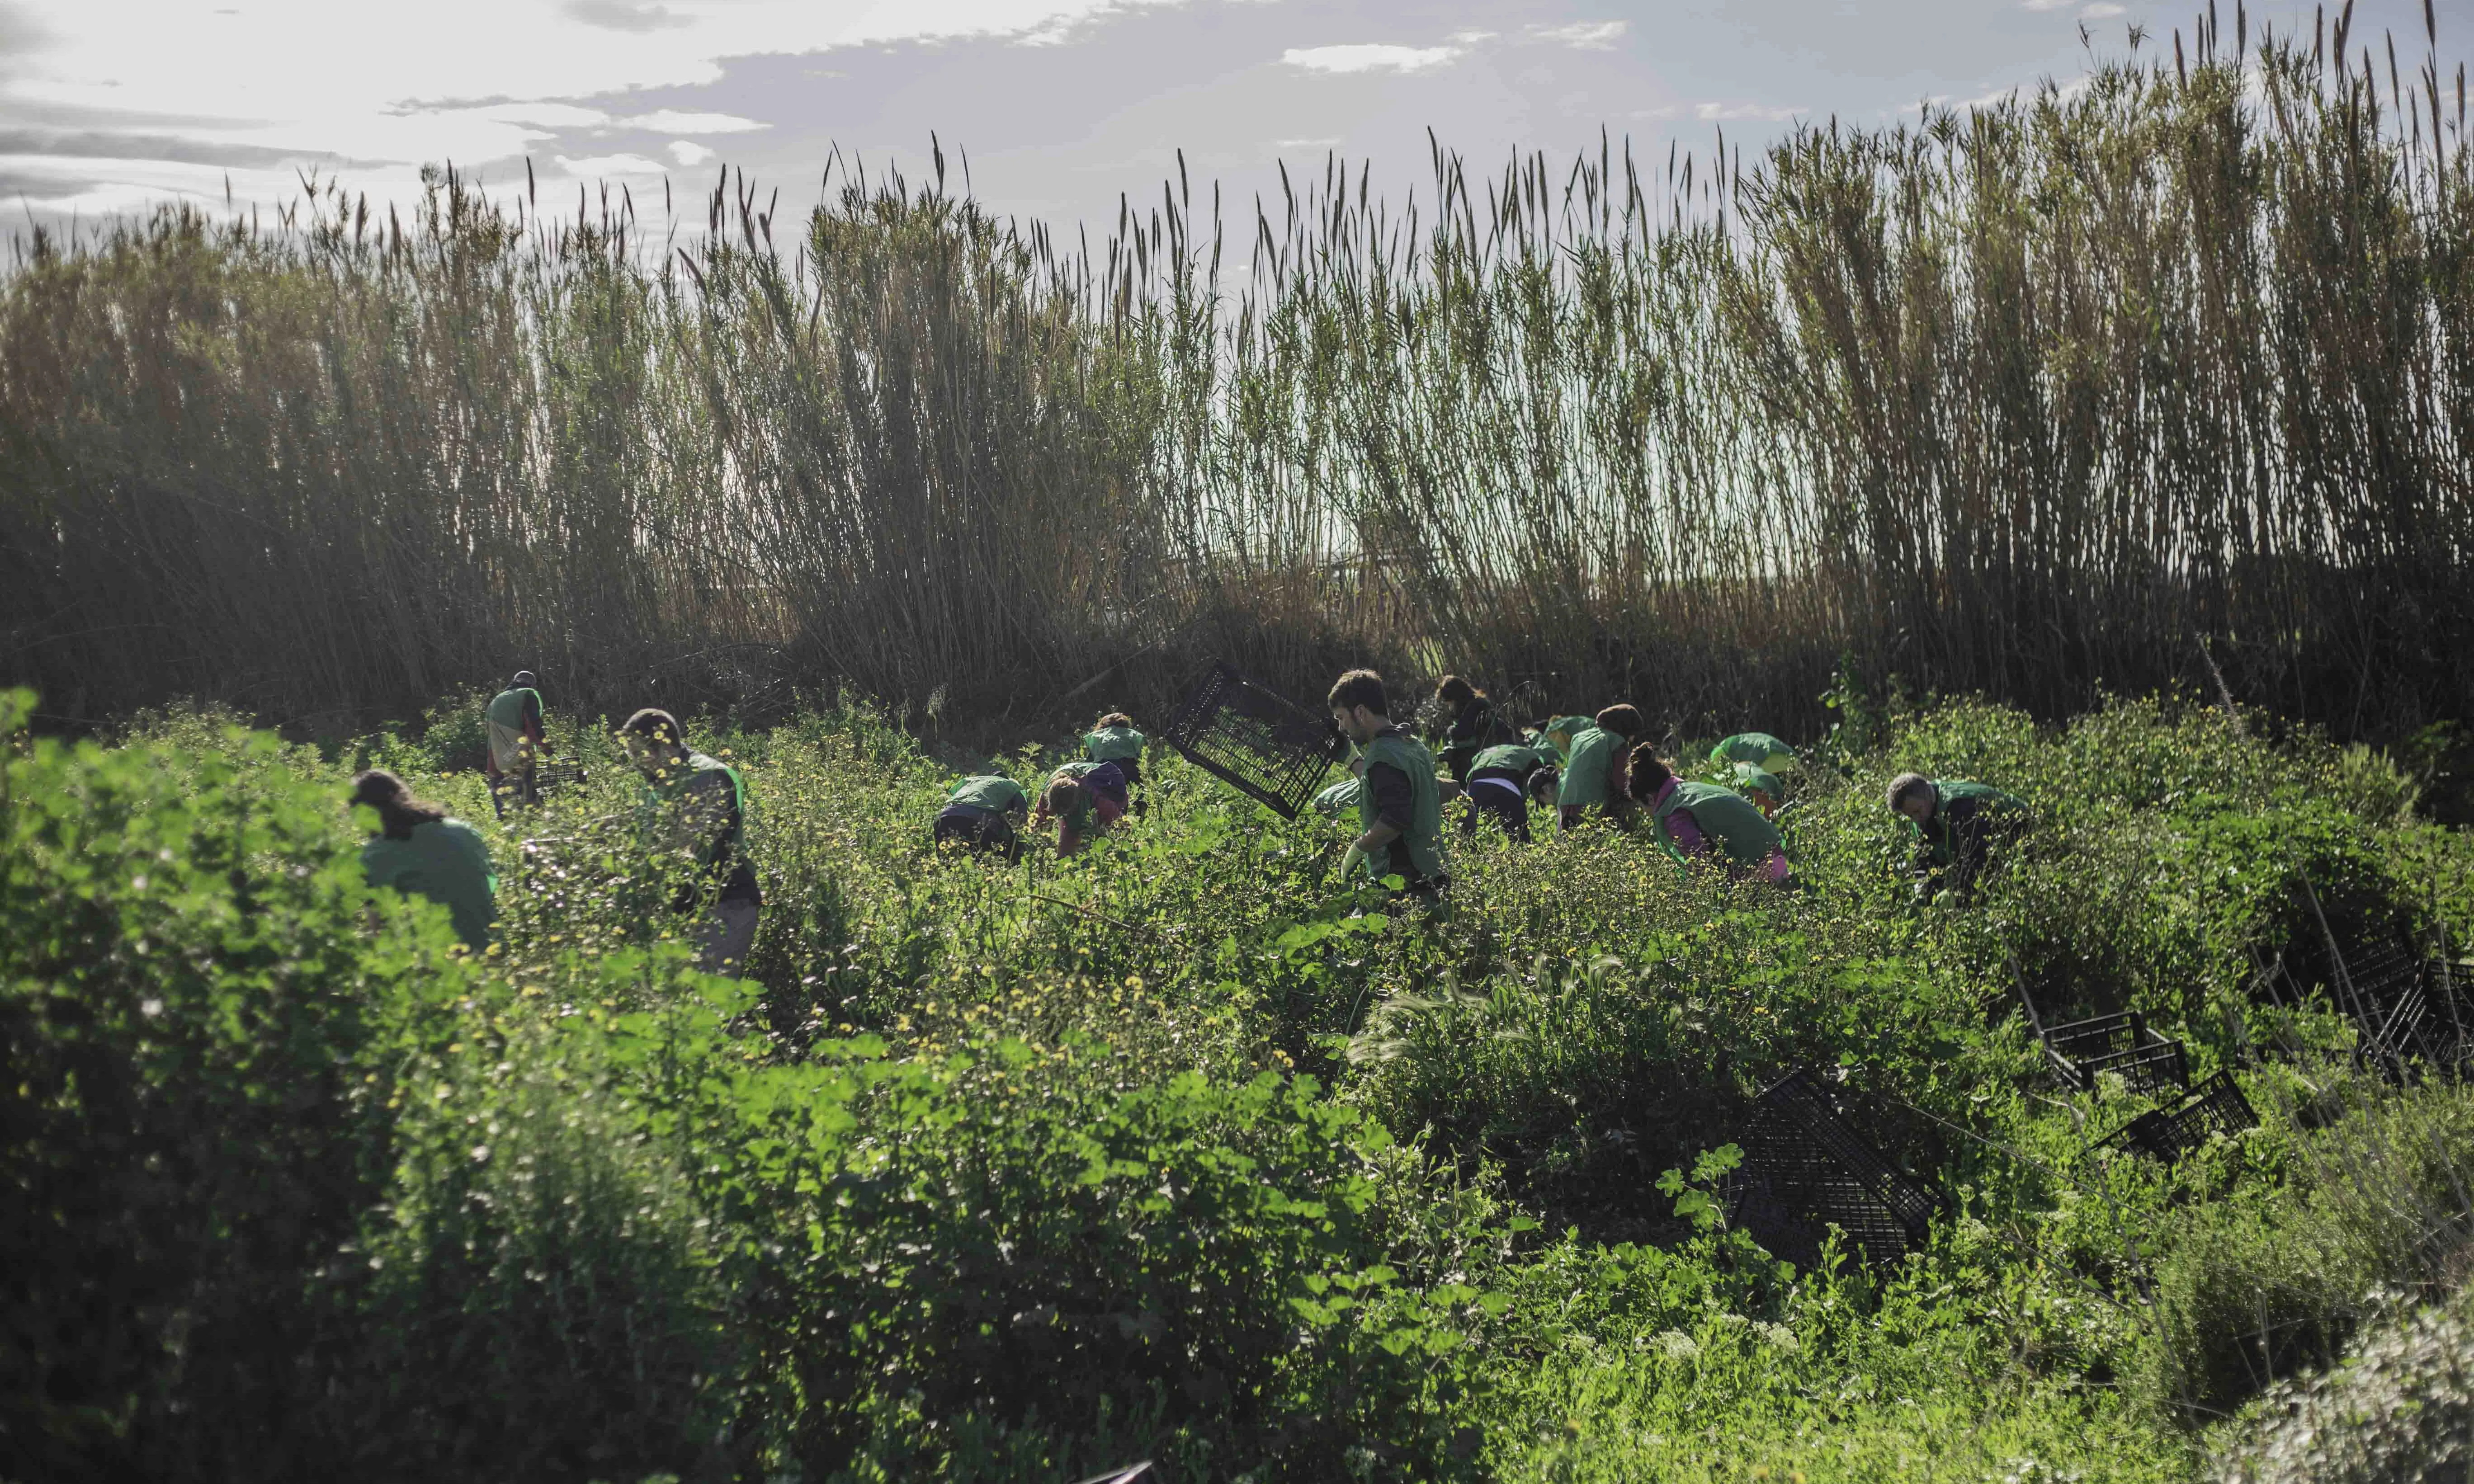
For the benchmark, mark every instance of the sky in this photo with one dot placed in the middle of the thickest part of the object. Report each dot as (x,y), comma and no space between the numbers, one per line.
(1061,107)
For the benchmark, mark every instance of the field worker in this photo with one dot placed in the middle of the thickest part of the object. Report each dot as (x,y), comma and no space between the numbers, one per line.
(980,815)
(1759,749)
(420,852)
(1468,725)
(698,809)
(1498,786)
(1593,758)
(1705,822)
(1339,798)
(1084,798)
(1759,786)
(1400,808)
(512,719)
(1114,739)
(1958,828)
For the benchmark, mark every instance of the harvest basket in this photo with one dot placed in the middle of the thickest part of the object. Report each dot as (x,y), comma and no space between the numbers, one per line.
(1253,740)
(1805,1171)
(2406,1005)
(2215,1106)
(2122,1042)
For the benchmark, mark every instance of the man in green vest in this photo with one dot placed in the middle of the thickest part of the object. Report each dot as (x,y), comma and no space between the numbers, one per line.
(512,719)
(1707,822)
(1400,808)
(696,808)
(1960,828)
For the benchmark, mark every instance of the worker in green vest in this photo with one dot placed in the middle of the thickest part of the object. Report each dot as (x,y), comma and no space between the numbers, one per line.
(1400,808)
(1339,798)
(1113,739)
(1498,786)
(1593,758)
(1960,828)
(980,815)
(1707,822)
(512,720)
(420,851)
(1466,723)
(1759,786)
(1085,799)
(695,807)
(1757,748)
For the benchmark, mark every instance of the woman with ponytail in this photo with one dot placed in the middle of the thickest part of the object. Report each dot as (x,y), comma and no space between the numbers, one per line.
(420,851)
(1703,821)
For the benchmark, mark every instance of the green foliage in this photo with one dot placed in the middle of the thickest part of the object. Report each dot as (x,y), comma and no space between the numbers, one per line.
(1180,1148)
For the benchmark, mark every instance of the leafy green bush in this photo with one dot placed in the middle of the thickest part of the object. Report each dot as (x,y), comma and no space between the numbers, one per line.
(2401,1407)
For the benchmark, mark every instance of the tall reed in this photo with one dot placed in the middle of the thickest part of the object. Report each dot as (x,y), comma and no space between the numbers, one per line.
(2035,399)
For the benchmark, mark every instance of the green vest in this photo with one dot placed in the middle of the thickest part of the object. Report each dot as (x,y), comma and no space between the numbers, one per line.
(1757,748)
(447,862)
(1511,757)
(1560,733)
(990,792)
(1990,803)
(1114,745)
(1343,795)
(693,777)
(1724,817)
(507,706)
(1754,778)
(1422,844)
(1589,770)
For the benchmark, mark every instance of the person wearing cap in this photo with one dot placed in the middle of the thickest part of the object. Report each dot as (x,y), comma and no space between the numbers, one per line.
(423,851)
(1400,807)
(1960,828)
(1707,822)
(517,742)
(696,807)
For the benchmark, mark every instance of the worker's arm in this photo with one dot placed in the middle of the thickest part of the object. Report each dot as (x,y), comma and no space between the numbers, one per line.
(1685,831)
(1395,805)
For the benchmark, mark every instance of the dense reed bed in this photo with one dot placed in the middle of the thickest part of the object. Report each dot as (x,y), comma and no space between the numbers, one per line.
(2034,399)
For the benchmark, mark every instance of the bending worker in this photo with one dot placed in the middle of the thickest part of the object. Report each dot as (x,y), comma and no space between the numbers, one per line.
(1498,787)
(697,806)
(1959,829)
(517,742)
(1703,822)
(979,814)
(1114,739)
(420,851)
(1592,752)
(1400,808)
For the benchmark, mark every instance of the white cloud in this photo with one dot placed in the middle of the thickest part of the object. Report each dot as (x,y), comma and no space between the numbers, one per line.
(540,115)
(2102,10)
(1371,57)
(670,121)
(595,166)
(688,153)
(1730,112)
(1595,36)
(2045,5)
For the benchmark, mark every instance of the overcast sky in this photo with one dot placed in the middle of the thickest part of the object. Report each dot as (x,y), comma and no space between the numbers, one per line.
(109,105)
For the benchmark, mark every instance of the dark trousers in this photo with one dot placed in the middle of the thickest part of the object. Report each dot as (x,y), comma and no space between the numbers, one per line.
(1132,768)
(981,831)
(1506,806)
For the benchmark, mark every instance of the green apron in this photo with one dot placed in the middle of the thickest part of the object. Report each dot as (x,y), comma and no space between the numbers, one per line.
(1419,851)
(1725,818)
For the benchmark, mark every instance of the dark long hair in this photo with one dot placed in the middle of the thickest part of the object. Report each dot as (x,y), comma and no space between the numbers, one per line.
(1457,693)
(1649,772)
(398,810)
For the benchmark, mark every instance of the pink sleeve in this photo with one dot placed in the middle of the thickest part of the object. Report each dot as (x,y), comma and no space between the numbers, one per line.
(1776,866)
(1685,831)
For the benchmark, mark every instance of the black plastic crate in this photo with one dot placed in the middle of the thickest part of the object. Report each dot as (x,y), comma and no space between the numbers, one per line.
(1254,741)
(2215,1106)
(2122,1042)
(2425,1020)
(1806,1170)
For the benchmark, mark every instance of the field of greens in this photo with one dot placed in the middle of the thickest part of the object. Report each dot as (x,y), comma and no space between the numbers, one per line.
(1183,1150)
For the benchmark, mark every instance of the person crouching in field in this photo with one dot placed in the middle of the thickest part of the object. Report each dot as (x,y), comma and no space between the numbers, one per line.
(1498,787)
(420,851)
(1084,798)
(1703,822)
(512,720)
(1114,739)
(1959,829)
(696,807)
(1468,725)
(1757,748)
(980,815)
(1762,787)
(1594,764)
(1400,806)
